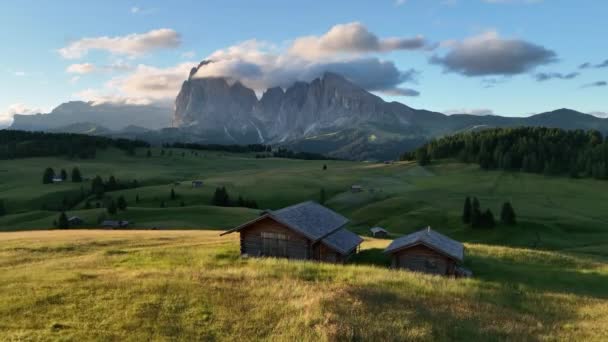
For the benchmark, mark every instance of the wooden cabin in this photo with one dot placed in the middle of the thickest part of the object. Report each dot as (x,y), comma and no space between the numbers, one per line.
(197,183)
(305,231)
(426,251)
(356,188)
(379,232)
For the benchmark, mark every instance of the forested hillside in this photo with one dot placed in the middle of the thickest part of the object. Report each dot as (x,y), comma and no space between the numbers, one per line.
(550,151)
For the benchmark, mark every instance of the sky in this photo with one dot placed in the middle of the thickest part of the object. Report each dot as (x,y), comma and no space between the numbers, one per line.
(503,57)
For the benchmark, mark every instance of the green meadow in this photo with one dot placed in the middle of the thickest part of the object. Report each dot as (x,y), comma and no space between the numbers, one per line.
(544,279)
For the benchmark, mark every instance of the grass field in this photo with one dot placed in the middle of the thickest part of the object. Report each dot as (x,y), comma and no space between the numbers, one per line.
(544,279)
(192,285)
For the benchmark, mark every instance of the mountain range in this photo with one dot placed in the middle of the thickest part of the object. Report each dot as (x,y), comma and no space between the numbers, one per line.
(329,115)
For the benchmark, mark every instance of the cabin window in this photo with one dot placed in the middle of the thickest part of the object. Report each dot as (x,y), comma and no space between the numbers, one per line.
(274,244)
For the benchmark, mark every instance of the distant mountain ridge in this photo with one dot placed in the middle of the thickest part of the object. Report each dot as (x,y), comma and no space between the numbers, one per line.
(328,115)
(110,116)
(334,116)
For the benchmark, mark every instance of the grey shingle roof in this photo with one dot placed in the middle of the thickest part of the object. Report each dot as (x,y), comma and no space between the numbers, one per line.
(310,219)
(378,229)
(432,239)
(342,240)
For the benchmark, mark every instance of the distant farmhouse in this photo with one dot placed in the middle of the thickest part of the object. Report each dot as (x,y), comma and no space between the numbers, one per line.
(356,188)
(197,183)
(57,179)
(379,232)
(306,231)
(75,221)
(427,251)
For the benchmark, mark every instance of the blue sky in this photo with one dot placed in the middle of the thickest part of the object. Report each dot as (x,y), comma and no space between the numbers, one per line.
(479,56)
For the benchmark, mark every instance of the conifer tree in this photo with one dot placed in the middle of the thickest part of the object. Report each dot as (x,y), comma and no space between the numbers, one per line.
(63,222)
(48,176)
(112,207)
(2,208)
(122,203)
(507,214)
(76,176)
(466,211)
(475,214)
(64,174)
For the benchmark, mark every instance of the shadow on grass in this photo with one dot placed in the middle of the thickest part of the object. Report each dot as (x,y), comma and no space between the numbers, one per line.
(372,256)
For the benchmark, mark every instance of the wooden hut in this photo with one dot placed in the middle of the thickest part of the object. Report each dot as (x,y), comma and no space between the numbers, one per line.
(197,183)
(306,231)
(426,251)
(379,232)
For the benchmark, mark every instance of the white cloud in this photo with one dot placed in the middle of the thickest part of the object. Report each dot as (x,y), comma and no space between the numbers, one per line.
(20,73)
(6,117)
(146,84)
(84,68)
(352,38)
(470,111)
(135,9)
(602,115)
(348,49)
(131,45)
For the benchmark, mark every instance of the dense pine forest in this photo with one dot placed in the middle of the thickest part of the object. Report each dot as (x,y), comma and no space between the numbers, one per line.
(551,151)
(22,144)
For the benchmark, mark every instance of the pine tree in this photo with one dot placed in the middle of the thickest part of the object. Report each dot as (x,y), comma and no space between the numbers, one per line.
(48,176)
(87,204)
(122,203)
(324,167)
(112,207)
(322,196)
(2,208)
(112,184)
(422,156)
(76,176)
(97,187)
(487,219)
(162,204)
(173,196)
(507,214)
(63,222)
(149,154)
(64,174)
(182,204)
(137,198)
(475,214)
(466,211)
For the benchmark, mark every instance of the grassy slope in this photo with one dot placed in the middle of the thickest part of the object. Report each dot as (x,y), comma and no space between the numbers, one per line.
(153,285)
(192,285)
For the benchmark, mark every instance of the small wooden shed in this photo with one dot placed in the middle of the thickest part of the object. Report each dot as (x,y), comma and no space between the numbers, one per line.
(197,183)
(379,232)
(306,231)
(356,188)
(426,251)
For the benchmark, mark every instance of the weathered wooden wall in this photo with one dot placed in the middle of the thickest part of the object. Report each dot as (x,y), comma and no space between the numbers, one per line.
(251,239)
(423,259)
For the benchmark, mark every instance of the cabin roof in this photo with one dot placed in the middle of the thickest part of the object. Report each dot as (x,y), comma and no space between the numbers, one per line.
(378,230)
(342,240)
(315,222)
(431,239)
(311,219)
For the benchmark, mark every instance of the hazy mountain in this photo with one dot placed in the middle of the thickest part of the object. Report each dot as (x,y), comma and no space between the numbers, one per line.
(334,116)
(110,116)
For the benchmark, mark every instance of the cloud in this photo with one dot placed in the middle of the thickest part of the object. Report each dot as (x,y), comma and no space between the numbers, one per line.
(260,65)
(400,2)
(589,65)
(352,38)
(131,45)
(602,115)
(20,73)
(84,68)
(595,84)
(546,76)
(145,85)
(470,111)
(488,54)
(6,117)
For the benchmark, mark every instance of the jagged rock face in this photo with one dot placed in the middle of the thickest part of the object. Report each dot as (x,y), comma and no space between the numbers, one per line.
(303,109)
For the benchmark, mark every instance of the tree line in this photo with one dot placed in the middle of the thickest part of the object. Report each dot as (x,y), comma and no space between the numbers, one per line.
(221,198)
(475,217)
(549,151)
(22,144)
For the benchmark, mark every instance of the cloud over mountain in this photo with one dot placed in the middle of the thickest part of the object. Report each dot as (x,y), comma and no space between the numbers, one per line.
(347,49)
(546,76)
(489,54)
(131,45)
(6,117)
